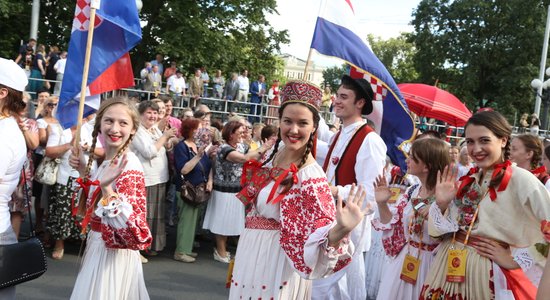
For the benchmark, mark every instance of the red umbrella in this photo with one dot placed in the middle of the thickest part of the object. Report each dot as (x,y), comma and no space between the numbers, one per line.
(432,102)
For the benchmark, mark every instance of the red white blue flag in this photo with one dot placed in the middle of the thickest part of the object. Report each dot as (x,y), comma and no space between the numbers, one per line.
(117,31)
(335,35)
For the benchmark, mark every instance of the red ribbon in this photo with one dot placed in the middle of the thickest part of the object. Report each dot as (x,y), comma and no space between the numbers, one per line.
(538,171)
(505,178)
(465,181)
(292,169)
(85,185)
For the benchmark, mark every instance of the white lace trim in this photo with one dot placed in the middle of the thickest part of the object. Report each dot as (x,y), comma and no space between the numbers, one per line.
(523,258)
(444,224)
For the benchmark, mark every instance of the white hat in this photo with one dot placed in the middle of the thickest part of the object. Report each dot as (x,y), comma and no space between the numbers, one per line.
(11,75)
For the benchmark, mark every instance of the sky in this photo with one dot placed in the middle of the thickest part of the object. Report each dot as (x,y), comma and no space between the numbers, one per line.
(384,18)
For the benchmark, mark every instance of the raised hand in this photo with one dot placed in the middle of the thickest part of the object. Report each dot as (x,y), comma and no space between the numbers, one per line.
(112,171)
(382,192)
(446,187)
(349,216)
(77,160)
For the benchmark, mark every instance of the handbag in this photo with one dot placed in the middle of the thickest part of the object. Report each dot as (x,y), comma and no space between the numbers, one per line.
(23,261)
(46,172)
(195,195)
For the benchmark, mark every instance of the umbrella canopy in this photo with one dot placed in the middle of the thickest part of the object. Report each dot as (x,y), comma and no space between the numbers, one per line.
(432,102)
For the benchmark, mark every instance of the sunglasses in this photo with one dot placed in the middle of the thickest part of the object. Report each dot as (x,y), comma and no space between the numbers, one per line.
(52,104)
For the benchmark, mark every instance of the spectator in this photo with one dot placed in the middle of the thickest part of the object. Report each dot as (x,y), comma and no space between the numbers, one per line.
(231,91)
(219,84)
(205,81)
(159,59)
(51,73)
(273,97)
(149,145)
(43,95)
(170,71)
(186,113)
(175,86)
(154,81)
(225,213)
(256,136)
(257,90)
(23,51)
(12,84)
(59,67)
(534,125)
(244,86)
(196,89)
(26,62)
(38,70)
(523,123)
(144,72)
(454,153)
(195,166)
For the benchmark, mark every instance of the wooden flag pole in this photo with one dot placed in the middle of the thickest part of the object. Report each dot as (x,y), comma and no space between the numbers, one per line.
(307,63)
(94,4)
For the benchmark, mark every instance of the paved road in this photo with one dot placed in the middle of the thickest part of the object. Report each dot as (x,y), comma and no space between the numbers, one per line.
(165,278)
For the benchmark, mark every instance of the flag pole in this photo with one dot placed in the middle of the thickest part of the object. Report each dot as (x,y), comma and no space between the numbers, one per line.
(307,63)
(94,4)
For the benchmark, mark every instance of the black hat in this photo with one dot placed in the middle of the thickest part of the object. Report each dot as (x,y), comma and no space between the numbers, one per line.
(362,89)
(178,71)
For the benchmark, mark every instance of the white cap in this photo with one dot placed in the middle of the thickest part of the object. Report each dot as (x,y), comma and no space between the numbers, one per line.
(11,75)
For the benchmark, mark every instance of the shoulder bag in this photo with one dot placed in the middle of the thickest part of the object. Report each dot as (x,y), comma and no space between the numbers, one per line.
(195,195)
(23,261)
(46,172)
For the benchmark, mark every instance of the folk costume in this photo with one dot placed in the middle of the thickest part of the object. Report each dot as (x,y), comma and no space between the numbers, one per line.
(405,237)
(356,155)
(509,212)
(111,267)
(285,241)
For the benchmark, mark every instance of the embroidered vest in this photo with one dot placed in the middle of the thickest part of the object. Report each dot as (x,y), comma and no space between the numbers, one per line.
(345,168)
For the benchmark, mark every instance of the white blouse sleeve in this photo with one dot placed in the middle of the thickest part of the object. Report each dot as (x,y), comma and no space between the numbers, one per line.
(439,223)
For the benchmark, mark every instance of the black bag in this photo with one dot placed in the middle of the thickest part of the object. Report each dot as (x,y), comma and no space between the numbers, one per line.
(194,195)
(23,261)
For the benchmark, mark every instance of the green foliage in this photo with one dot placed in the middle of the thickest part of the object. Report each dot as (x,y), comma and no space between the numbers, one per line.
(397,55)
(481,49)
(220,34)
(229,35)
(332,76)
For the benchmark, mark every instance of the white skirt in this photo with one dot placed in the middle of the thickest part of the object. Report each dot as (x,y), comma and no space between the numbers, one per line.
(375,261)
(224,214)
(262,270)
(109,273)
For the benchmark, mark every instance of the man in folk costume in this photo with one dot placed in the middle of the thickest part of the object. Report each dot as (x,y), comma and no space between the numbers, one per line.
(356,155)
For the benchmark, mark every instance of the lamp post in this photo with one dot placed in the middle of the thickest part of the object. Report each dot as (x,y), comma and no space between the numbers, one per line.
(544,95)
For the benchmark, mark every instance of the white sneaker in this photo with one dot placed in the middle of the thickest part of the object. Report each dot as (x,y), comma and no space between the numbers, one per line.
(184,257)
(143,259)
(220,258)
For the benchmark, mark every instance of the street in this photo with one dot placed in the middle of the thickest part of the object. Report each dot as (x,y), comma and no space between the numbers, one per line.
(165,278)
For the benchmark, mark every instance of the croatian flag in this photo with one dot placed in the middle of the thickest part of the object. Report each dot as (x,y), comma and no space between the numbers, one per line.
(335,35)
(117,31)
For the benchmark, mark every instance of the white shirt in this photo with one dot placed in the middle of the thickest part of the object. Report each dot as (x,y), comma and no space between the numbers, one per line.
(243,82)
(13,155)
(176,85)
(59,66)
(155,162)
(59,137)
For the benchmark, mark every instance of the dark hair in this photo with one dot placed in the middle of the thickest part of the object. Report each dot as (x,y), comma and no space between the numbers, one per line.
(230,128)
(199,114)
(428,134)
(216,124)
(496,123)
(434,153)
(188,126)
(165,99)
(534,144)
(144,105)
(42,90)
(13,103)
(268,131)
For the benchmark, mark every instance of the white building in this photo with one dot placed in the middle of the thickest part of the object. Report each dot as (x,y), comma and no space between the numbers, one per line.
(294,69)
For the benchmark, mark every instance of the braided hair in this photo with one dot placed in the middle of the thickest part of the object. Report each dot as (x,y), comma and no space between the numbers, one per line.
(97,129)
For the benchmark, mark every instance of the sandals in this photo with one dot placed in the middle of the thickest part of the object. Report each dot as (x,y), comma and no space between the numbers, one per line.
(58,253)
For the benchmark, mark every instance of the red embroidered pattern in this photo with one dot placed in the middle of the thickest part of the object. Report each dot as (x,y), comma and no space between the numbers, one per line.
(394,243)
(130,186)
(262,223)
(304,210)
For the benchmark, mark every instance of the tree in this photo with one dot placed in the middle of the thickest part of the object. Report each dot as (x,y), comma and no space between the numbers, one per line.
(397,55)
(481,49)
(332,76)
(229,35)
